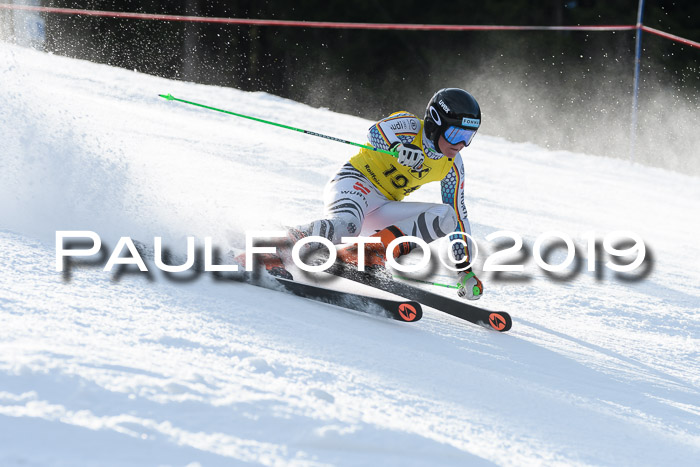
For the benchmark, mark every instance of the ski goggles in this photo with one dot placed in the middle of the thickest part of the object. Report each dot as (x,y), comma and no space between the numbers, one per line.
(456,135)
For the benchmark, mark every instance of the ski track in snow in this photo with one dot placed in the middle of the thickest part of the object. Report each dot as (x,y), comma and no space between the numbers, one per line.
(97,370)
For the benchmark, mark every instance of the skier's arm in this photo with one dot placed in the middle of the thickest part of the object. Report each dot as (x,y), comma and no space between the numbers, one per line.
(399,127)
(470,287)
(453,194)
(395,133)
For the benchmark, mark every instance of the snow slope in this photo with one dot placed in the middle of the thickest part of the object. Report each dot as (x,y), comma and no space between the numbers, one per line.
(142,370)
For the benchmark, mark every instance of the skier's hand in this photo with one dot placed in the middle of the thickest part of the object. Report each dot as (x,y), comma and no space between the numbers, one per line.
(470,287)
(410,155)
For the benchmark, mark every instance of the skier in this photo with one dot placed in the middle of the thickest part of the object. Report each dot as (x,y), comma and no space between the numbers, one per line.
(367,192)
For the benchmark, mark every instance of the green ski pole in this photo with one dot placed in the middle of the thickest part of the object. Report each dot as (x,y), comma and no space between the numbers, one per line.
(427,282)
(307,132)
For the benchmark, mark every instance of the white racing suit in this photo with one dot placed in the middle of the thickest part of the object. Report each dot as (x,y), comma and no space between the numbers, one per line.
(365,195)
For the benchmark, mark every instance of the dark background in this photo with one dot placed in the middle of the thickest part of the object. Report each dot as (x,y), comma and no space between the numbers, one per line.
(562,90)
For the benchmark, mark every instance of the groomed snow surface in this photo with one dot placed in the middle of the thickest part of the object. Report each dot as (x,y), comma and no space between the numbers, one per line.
(142,370)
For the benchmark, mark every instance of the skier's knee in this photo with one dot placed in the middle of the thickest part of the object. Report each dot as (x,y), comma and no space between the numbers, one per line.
(344,226)
(333,228)
(448,220)
(445,217)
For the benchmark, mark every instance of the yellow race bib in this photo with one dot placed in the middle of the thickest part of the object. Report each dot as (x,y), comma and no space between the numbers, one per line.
(394,180)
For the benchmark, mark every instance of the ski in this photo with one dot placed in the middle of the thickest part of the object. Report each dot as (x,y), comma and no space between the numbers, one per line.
(400,310)
(497,320)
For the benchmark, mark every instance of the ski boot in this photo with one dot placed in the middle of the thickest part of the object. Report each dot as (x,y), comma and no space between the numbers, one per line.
(375,253)
(272,262)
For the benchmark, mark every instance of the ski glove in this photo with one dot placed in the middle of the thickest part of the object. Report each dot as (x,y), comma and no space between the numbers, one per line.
(410,155)
(470,287)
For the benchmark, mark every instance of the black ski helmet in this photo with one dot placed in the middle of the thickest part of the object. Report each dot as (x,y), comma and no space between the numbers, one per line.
(451,107)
